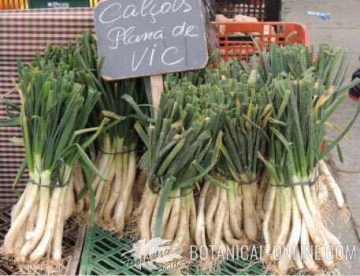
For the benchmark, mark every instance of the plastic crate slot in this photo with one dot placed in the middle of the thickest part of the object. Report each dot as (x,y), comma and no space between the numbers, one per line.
(106,265)
(230,268)
(95,272)
(110,243)
(118,261)
(103,245)
(99,250)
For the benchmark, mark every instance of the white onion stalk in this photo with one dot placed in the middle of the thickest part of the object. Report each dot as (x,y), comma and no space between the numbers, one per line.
(79,185)
(330,181)
(113,196)
(200,232)
(322,193)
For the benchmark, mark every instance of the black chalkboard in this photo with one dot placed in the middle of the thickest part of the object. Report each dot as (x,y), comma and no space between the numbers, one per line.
(149,37)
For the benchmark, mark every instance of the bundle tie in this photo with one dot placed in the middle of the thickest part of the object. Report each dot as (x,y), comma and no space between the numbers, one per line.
(309,183)
(184,195)
(118,153)
(155,188)
(240,182)
(249,182)
(58,184)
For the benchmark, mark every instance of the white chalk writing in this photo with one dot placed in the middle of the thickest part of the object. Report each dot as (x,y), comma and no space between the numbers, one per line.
(152,8)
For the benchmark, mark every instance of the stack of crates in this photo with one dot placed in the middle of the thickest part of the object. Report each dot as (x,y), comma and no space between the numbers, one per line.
(263,10)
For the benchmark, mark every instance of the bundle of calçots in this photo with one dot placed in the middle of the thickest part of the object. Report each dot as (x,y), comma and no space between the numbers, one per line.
(181,149)
(53,114)
(116,148)
(226,212)
(304,94)
(116,151)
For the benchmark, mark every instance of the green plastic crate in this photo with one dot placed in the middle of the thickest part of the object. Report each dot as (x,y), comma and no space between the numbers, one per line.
(103,255)
(40,4)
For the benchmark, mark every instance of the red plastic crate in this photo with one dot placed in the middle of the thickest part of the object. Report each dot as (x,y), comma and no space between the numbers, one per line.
(242,40)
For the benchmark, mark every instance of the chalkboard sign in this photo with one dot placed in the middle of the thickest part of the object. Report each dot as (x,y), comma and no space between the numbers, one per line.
(150,37)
